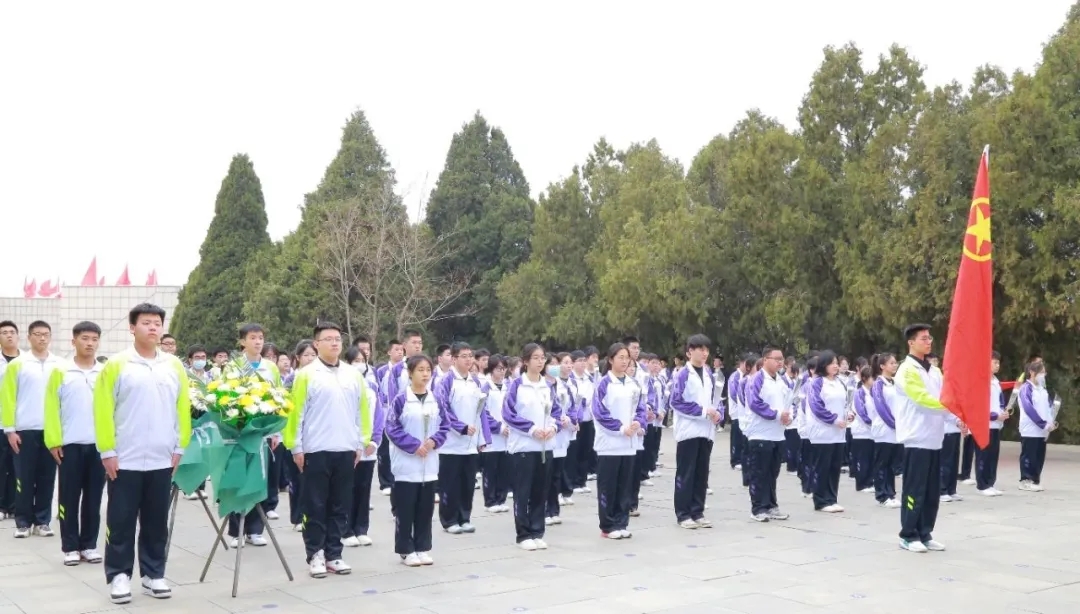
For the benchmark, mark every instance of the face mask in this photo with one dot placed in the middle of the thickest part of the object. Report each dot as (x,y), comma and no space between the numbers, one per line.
(1040,379)
(198,364)
(553,371)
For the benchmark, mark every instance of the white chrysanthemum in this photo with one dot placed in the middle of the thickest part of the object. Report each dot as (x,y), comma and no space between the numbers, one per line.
(232,413)
(241,390)
(252,409)
(266,408)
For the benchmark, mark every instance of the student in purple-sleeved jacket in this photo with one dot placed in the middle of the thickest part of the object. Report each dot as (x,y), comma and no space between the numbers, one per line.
(395,352)
(1036,422)
(736,439)
(753,364)
(459,395)
(767,414)
(416,427)
(803,426)
(695,425)
(862,437)
(494,461)
(888,454)
(581,454)
(530,413)
(618,406)
(356,532)
(986,460)
(827,422)
(792,442)
(558,370)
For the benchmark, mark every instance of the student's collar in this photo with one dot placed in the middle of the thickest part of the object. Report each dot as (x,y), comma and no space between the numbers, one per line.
(923,362)
(332,366)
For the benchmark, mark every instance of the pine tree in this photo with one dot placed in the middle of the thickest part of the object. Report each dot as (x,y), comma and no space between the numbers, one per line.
(482,202)
(212,300)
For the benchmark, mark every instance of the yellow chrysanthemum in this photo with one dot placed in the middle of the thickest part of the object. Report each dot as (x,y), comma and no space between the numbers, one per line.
(233,383)
(212,386)
(246,400)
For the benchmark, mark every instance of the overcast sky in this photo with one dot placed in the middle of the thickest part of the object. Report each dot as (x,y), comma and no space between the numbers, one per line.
(118,119)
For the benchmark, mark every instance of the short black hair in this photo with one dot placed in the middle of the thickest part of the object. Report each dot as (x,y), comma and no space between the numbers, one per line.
(410,333)
(931,355)
(195,349)
(7,323)
(414,361)
(995,355)
(269,349)
(458,348)
(627,340)
(325,325)
(698,341)
(577,355)
(39,324)
(103,359)
(218,350)
(85,327)
(495,361)
(442,347)
(914,329)
(482,352)
(770,348)
(352,354)
(251,327)
(824,359)
(591,351)
(167,336)
(361,339)
(143,309)
(392,343)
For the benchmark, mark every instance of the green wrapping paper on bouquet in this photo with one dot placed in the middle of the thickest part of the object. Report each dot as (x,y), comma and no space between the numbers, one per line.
(234,459)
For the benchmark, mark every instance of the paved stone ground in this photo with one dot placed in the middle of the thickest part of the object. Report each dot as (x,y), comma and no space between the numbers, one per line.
(1016,553)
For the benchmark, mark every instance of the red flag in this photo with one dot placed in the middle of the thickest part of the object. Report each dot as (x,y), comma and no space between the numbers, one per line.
(29,288)
(124,279)
(966,390)
(101,281)
(47,289)
(151,279)
(90,278)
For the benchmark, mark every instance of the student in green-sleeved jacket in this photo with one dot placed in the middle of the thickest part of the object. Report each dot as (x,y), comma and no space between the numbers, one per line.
(70,437)
(22,411)
(142,421)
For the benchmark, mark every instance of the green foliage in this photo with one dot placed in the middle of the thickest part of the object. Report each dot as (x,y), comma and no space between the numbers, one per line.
(481,204)
(210,303)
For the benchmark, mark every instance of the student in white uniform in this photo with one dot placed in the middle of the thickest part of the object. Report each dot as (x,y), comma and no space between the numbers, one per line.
(356,531)
(619,411)
(494,460)
(827,425)
(862,438)
(559,494)
(888,455)
(458,394)
(1036,424)
(763,424)
(417,426)
(986,460)
(695,426)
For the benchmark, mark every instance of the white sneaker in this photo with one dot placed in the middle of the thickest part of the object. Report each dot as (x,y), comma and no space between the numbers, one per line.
(385,492)
(1034,488)
(156,588)
(556,520)
(351,542)
(72,558)
(997,492)
(412,560)
(969,482)
(737,468)
(317,566)
(946,499)
(616,534)
(762,517)
(22,532)
(195,496)
(425,558)
(1025,485)
(454,529)
(90,556)
(527,544)
(256,539)
(647,483)
(299,528)
(120,589)
(43,530)
(956,497)
(566,500)
(549,521)
(436,497)
(272,515)
(655,474)
(510,495)
(913,546)
(364,540)
(890,503)
(708,491)
(776,514)
(540,544)
(338,567)
(494,509)
(371,508)
(635,513)
(591,477)
(704,524)
(579,490)
(626,534)
(504,508)
(869,489)
(234,542)
(934,546)
(467,527)
(586,489)
(689,524)
(835,508)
